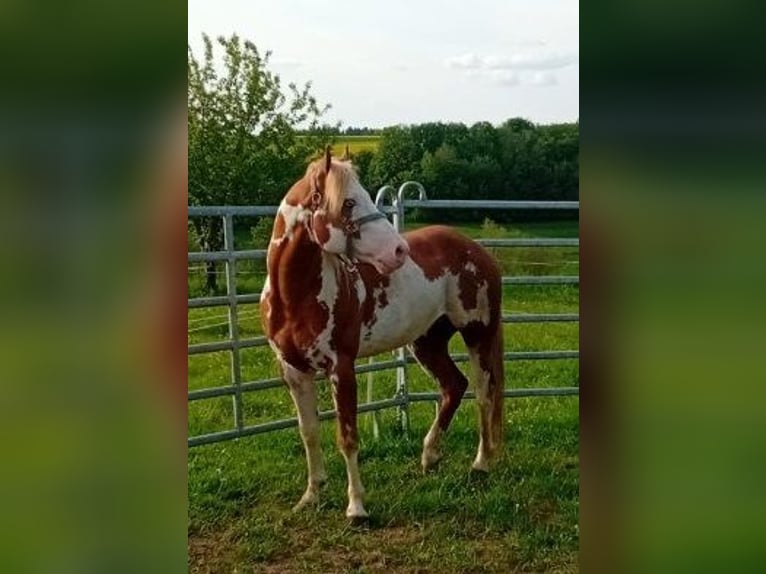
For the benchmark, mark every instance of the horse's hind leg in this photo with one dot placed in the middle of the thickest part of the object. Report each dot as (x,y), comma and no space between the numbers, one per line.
(303,390)
(431,351)
(485,354)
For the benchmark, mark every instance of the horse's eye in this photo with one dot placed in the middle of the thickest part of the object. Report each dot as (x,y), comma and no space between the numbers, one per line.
(349,203)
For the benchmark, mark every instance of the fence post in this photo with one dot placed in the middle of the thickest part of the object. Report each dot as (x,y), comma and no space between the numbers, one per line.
(374,415)
(231,292)
(402,389)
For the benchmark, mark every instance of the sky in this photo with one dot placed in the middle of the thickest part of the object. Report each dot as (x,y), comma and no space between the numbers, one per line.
(381,63)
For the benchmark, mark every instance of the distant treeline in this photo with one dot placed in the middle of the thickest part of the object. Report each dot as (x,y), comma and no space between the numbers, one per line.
(336,130)
(517,160)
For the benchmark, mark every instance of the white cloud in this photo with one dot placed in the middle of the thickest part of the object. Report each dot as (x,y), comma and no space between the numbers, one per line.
(466,62)
(541,79)
(525,61)
(505,78)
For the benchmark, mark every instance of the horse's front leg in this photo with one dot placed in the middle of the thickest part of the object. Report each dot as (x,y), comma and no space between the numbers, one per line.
(303,390)
(344,394)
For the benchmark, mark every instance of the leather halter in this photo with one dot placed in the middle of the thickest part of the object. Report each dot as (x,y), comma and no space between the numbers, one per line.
(351,227)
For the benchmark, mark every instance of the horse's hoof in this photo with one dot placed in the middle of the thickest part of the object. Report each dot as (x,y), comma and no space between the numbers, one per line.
(480,469)
(429,460)
(356,512)
(359,521)
(308,500)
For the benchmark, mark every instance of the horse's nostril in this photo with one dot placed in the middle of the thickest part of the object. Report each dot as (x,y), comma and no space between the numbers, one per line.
(399,252)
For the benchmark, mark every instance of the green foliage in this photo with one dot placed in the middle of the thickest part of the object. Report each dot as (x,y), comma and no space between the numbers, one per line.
(491,230)
(260,233)
(517,160)
(362,161)
(243,145)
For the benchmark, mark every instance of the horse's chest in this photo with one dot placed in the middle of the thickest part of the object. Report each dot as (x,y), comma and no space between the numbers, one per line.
(312,333)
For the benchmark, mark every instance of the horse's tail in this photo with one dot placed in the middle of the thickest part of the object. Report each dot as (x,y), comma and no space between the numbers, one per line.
(497,385)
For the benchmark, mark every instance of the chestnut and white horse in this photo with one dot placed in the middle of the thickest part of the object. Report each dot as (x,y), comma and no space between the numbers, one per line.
(343,284)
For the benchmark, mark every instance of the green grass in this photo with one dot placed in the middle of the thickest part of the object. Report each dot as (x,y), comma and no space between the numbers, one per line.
(523,516)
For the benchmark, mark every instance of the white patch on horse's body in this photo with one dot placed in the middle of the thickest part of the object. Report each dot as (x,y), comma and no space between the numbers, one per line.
(337,240)
(264,297)
(328,295)
(404,318)
(470,267)
(292,214)
(456,311)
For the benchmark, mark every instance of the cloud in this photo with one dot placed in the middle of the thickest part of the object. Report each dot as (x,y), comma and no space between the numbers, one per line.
(523,69)
(505,78)
(541,79)
(522,61)
(464,62)
(550,61)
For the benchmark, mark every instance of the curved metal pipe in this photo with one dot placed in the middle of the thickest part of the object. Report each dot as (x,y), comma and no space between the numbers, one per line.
(383,193)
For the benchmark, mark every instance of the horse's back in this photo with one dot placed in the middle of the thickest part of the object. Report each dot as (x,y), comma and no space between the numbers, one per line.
(438,247)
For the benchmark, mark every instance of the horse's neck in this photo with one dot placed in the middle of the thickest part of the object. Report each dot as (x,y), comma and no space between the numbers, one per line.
(295,265)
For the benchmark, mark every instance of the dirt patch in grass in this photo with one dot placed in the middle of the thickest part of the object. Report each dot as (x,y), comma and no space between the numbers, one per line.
(219,551)
(412,549)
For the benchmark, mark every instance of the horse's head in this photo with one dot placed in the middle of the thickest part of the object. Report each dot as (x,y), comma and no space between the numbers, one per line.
(345,220)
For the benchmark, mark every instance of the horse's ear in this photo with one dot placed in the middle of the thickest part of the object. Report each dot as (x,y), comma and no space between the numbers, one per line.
(327,158)
(346,154)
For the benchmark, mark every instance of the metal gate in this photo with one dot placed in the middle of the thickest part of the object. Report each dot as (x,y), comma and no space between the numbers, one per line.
(402,397)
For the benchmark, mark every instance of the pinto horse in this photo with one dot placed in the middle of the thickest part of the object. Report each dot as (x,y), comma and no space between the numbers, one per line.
(343,284)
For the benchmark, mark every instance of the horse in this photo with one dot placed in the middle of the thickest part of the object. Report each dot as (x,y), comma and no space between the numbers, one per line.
(343,284)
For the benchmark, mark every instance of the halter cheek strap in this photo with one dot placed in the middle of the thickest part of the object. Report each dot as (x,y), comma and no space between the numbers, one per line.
(351,226)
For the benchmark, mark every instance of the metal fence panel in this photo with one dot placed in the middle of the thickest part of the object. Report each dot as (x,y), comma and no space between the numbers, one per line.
(403,396)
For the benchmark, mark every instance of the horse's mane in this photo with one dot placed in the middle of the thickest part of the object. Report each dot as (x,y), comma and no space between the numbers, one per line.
(341,175)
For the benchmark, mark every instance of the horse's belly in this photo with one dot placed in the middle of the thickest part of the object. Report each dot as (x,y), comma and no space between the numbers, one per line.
(413,303)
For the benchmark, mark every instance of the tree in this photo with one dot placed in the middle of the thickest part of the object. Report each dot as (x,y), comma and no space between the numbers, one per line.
(243,141)
(397,157)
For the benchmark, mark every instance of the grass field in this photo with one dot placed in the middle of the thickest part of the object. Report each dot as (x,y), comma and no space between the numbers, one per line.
(355,144)
(522,517)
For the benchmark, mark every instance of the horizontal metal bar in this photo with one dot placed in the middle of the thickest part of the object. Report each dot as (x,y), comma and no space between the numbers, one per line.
(264,384)
(379,366)
(222,301)
(246,210)
(513,393)
(282,424)
(542,280)
(229,390)
(531,242)
(199,256)
(480,204)
(363,408)
(540,317)
(518,356)
(228,345)
(241,210)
